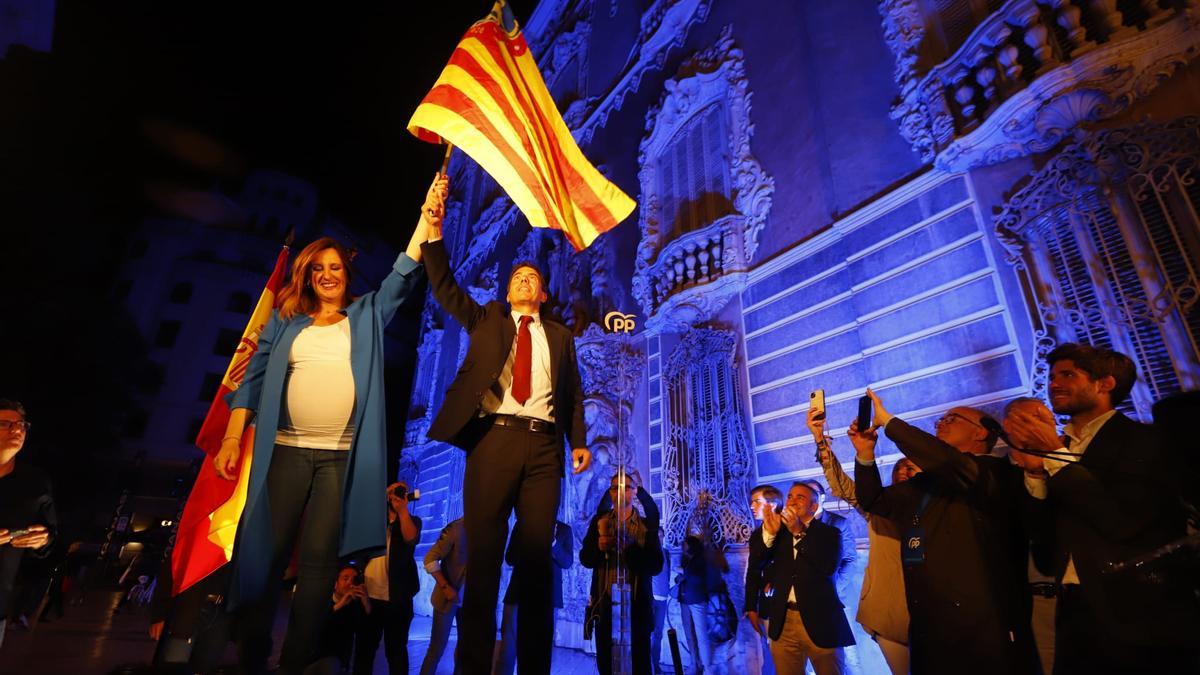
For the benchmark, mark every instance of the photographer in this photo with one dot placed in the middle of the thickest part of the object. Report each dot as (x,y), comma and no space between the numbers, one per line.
(351,608)
(640,556)
(391,583)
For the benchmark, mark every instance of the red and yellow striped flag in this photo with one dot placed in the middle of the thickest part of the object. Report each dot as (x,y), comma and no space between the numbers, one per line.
(491,102)
(204,538)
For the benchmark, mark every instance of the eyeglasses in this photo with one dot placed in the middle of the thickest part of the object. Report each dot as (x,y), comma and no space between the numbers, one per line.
(951,416)
(21,424)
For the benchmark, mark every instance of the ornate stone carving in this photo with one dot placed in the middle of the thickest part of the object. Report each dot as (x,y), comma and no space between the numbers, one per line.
(986,103)
(690,265)
(665,26)
(612,367)
(1104,181)
(706,454)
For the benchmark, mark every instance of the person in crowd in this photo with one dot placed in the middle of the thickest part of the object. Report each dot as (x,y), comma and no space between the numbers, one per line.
(965,551)
(506,649)
(315,390)
(661,591)
(391,582)
(446,562)
(700,578)
(845,575)
(619,539)
(1043,588)
(28,520)
(350,609)
(1106,496)
(762,498)
(805,620)
(882,607)
(516,399)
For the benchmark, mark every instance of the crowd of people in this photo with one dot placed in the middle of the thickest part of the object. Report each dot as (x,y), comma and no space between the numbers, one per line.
(952,538)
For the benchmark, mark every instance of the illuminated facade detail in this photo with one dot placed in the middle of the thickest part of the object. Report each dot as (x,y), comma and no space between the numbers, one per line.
(1106,238)
(706,458)
(1029,74)
(704,197)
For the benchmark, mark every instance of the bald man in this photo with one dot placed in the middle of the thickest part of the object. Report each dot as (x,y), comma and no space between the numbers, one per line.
(963,544)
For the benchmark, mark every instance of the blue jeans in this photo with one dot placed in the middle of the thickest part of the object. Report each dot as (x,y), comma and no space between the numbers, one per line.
(303,483)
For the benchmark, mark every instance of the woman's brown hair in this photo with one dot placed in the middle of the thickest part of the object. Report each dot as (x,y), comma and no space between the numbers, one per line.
(297,296)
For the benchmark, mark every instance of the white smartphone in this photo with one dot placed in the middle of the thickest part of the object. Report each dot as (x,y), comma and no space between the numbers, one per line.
(816,401)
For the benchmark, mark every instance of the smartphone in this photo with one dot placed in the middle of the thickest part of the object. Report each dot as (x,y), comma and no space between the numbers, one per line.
(816,401)
(865,408)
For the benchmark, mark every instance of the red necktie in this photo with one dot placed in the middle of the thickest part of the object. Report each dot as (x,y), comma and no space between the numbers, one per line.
(522,364)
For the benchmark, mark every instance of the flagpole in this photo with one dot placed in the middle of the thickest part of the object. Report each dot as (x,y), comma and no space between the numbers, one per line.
(446,159)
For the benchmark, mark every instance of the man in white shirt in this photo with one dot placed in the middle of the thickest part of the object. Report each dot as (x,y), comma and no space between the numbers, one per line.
(391,581)
(1106,495)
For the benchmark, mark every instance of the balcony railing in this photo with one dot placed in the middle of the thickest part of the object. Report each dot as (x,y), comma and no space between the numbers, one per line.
(1033,70)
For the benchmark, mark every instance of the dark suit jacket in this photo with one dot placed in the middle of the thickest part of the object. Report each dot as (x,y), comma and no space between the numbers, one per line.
(755,573)
(845,570)
(972,591)
(811,572)
(1119,502)
(492,331)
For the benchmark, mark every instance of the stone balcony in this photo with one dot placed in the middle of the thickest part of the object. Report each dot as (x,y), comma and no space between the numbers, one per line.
(696,274)
(1032,72)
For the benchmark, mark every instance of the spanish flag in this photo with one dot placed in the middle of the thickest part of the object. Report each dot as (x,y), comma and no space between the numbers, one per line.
(491,102)
(204,540)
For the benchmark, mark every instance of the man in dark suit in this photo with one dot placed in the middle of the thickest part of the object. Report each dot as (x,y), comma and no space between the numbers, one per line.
(1107,495)
(845,572)
(800,556)
(762,499)
(964,545)
(516,398)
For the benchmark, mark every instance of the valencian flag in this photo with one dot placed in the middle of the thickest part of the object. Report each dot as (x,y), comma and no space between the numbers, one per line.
(204,540)
(491,102)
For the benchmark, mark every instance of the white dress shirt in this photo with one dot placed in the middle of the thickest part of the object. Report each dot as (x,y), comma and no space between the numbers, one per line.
(540,404)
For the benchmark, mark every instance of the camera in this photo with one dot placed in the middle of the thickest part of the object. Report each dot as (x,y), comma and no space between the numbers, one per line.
(359,578)
(402,492)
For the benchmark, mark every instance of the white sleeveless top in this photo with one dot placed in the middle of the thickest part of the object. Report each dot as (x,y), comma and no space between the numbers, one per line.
(318,390)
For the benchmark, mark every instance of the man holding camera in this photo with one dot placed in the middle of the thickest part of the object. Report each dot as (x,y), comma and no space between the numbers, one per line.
(391,582)
(619,539)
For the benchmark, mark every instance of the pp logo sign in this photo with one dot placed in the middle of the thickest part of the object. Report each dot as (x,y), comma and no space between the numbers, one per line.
(616,322)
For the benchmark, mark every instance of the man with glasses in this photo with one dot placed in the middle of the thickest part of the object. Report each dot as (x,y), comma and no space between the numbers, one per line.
(964,545)
(27,518)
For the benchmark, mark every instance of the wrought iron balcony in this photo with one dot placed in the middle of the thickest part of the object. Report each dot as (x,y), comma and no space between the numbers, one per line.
(1033,71)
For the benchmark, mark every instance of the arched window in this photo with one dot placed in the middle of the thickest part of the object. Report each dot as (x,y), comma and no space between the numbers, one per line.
(1108,239)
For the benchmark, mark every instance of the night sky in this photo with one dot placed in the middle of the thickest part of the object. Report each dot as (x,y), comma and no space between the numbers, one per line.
(140,97)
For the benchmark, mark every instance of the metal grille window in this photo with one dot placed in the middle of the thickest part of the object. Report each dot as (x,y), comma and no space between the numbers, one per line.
(693,172)
(1108,238)
(706,452)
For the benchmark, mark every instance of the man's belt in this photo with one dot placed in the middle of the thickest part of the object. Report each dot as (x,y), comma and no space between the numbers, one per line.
(1044,589)
(523,423)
